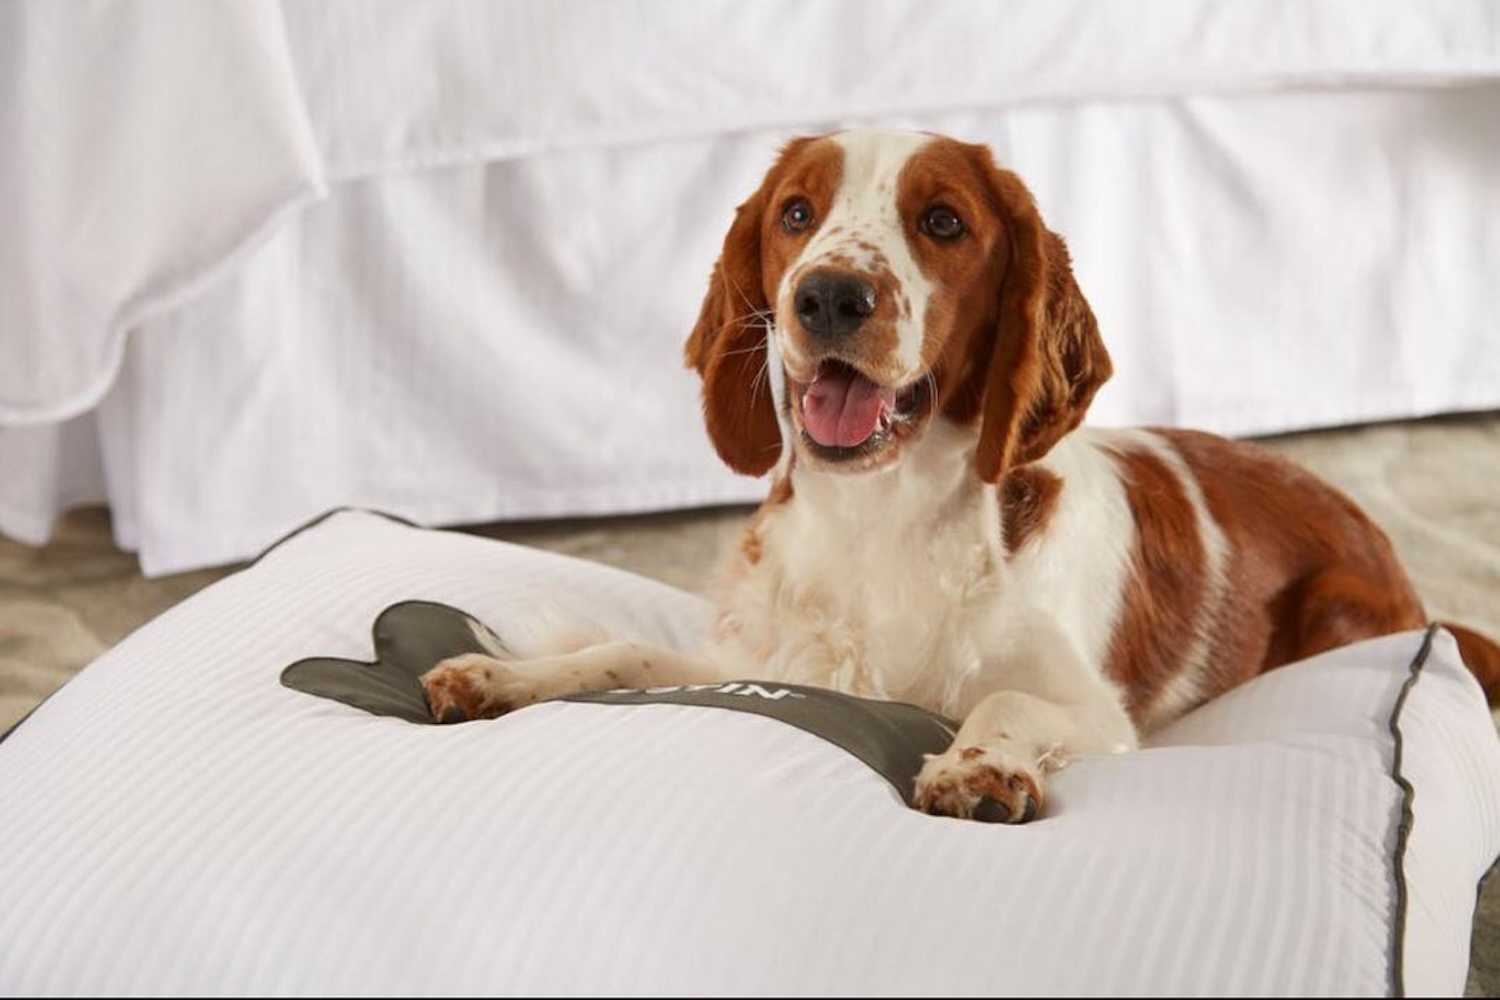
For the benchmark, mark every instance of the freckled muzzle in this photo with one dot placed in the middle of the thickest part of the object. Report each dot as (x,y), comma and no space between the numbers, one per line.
(850,408)
(856,379)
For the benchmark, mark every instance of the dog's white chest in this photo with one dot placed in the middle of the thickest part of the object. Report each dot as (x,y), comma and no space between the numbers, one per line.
(860,588)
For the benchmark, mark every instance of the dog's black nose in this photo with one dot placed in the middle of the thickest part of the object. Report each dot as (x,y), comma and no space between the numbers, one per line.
(831,304)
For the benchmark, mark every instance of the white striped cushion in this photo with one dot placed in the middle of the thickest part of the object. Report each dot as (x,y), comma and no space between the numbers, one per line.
(175,821)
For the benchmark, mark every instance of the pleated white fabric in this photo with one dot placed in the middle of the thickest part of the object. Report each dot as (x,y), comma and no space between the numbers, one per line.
(177,823)
(149,148)
(391,84)
(504,340)
(440,258)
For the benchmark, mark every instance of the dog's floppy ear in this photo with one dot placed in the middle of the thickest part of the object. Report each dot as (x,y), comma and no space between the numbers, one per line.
(728,345)
(1048,359)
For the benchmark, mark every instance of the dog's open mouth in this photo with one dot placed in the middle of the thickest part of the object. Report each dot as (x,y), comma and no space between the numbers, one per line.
(846,414)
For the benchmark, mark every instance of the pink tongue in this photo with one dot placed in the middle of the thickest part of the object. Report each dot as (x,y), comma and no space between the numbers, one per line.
(842,408)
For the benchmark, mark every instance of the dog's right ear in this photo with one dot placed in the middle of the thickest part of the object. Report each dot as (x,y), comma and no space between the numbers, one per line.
(728,345)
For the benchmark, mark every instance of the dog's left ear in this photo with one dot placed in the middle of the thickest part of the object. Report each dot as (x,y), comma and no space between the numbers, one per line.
(728,348)
(1048,359)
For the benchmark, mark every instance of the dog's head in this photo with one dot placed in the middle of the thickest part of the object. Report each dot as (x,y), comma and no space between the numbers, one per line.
(906,278)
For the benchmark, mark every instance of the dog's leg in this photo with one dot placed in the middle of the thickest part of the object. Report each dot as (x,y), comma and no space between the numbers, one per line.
(1054,707)
(479,686)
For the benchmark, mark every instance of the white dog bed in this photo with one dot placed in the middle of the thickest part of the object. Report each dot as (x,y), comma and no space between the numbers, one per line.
(176,821)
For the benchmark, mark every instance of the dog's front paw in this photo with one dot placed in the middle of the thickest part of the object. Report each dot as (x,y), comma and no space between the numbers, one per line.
(476,686)
(980,783)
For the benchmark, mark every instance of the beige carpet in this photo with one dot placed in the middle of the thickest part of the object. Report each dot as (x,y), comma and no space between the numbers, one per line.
(1433,485)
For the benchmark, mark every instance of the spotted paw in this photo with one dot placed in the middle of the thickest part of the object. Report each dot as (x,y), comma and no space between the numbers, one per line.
(979,783)
(476,686)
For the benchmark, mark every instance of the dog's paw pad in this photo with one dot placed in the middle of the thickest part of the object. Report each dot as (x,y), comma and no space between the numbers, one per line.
(991,810)
(981,784)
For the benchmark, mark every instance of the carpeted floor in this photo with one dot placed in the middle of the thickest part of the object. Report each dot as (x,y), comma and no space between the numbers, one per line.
(1433,485)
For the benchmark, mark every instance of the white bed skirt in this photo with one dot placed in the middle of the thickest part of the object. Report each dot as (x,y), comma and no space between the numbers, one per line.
(494,332)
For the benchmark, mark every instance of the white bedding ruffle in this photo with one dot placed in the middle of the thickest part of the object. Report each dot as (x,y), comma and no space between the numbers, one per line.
(149,148)
(391,84)
(1281,213)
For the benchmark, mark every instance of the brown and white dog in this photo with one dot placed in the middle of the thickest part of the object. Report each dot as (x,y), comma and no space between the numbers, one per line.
(939,529)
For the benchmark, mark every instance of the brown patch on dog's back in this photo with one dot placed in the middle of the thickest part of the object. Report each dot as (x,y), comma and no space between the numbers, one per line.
(1311,571)
(1166,588)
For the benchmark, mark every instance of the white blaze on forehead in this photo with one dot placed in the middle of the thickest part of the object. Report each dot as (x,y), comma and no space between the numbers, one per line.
(862,229)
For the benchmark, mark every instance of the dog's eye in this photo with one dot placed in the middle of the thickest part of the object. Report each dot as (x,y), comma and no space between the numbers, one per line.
(942,223)
(797,215)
